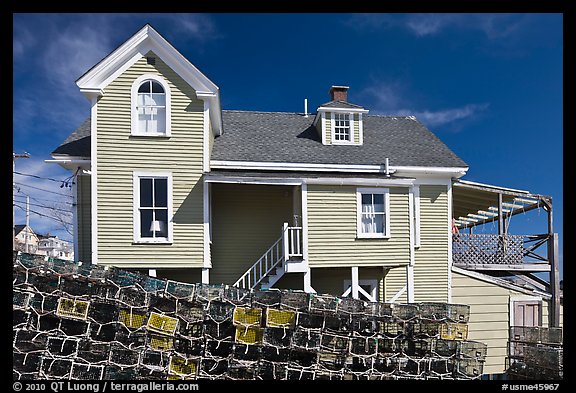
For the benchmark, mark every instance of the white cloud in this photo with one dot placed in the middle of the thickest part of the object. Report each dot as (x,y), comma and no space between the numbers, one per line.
(493,26)
(394,99)
(446,116)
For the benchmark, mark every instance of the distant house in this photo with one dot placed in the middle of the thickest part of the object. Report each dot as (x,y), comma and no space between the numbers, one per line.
(338,201)
(23,233)
(54,247)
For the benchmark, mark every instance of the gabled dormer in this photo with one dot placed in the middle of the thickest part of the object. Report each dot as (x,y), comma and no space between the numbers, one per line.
(339,122)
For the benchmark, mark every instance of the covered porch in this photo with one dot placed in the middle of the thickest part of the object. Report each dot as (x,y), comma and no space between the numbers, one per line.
(255,230)
(501,254)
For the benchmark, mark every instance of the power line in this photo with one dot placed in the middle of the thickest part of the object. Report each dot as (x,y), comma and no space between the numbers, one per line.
(47,207)
(40,214)
(43,189)
(41,200)
(65,181)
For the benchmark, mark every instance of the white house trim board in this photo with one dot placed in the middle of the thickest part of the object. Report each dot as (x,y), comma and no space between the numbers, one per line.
(342,110)
(136,175)
(323,124)
(134,99)
(205,142)
(206,225)
(94,179)
(416,192)
(410,283)
(445,172)
(360,129)
(304,207)
(373,295)
(75,215)
(253,180)
(411,225)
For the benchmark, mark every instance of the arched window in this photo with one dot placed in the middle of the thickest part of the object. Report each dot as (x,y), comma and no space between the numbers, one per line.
(151,106)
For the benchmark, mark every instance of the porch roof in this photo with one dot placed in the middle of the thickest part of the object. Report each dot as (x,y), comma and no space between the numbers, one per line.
(477,203)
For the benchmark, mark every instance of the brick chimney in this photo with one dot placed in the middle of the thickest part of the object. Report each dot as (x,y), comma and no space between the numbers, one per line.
(339,93)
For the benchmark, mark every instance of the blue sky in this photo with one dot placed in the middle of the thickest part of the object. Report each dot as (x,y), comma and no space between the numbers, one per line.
(488,85)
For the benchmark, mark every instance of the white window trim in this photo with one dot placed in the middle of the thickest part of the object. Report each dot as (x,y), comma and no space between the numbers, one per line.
(359,233)
(134,99)
(360,129)
(333,129)
(136,203)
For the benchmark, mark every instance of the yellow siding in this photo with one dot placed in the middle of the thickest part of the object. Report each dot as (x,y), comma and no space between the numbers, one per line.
(356,118)
(119,154)
(328,129)
(84,221)
(431,258)
(394,281)
(489,316)
(332,238)
(246,221)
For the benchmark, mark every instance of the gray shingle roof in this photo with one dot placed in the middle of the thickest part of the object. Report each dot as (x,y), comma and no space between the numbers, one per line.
(78,143)
(291,137)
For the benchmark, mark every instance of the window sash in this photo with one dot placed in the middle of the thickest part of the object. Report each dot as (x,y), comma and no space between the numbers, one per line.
(153,205)
(151,108)
(372,213)
(342,127)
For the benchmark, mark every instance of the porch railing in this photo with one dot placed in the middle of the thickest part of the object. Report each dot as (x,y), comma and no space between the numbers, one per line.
(473,249)
(289,245)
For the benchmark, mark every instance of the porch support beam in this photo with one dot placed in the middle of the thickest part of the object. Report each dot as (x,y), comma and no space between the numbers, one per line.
(205,275)
(355,282)
(554,313)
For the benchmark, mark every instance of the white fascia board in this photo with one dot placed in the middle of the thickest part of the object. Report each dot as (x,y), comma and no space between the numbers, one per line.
(453,172)
(445,172)
(292,166)
(345,110)
(135,48)
(70,164)
(338,181)
(253,180)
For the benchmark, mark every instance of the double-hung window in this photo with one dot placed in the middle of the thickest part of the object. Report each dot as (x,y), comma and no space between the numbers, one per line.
(342,131)
(373,213)
(152,207)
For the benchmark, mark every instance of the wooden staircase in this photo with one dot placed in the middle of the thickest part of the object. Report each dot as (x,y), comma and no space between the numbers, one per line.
(272,265)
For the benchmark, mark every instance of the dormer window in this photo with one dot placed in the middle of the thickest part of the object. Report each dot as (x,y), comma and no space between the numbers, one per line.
(342,127)
(150,106)
(340,122)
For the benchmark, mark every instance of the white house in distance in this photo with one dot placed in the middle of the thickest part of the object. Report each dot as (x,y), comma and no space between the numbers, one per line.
(338,201)
(54,247)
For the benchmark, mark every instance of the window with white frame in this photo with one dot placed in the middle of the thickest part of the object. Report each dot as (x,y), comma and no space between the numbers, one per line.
(152,207)
(342,127)
(150,106)
(373,205)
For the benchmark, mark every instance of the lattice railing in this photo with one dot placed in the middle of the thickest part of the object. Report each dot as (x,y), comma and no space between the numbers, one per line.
(487,249)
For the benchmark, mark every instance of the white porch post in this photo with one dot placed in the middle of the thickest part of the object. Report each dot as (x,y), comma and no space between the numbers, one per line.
(355,282)
(308,281)
(205,275)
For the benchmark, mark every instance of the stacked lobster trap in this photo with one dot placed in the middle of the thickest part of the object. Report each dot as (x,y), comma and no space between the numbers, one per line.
(535,353)
(80,321)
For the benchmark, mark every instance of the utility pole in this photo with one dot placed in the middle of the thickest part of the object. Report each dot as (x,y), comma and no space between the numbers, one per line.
(27,223)
(14,157)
